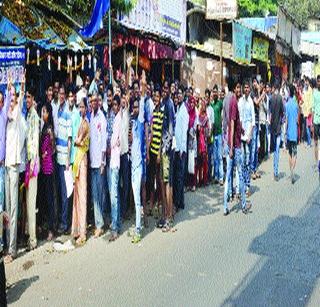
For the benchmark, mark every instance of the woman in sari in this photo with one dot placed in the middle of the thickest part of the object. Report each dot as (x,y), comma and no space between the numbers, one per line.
(79,214)
(203,132)
(192,143)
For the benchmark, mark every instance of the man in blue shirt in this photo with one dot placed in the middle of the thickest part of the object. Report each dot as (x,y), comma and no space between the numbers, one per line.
(292,113)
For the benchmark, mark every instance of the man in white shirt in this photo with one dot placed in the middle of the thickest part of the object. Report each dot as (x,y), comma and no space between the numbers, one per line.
(247,118)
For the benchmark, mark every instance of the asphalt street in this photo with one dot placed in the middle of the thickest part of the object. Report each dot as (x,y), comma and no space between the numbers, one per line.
(270,257)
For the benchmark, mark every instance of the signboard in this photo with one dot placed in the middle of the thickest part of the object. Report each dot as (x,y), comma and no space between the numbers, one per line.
(260,49)
(221,9)
(164,17)
(282,22)
(241,41)
(296,40)
(12,60)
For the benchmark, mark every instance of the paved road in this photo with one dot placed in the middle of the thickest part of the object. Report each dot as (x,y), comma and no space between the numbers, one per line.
(271,257)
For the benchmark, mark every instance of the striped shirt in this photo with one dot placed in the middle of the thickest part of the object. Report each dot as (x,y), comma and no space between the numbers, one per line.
(64,133)
(156,128)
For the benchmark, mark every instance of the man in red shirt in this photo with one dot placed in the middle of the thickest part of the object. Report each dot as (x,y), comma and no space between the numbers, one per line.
(234,157)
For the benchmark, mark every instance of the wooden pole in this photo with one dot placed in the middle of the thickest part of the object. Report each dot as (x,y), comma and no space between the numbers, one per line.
(221,54)
(137,59)
(172,70)
(110,45)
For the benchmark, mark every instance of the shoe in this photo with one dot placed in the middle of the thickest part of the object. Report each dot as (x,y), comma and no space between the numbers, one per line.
(136,238)
(245,211)
(276,178)
(166,227)
(254,176)
(114,236)
(221,183)
(97,233)
(227,212)
(160,224)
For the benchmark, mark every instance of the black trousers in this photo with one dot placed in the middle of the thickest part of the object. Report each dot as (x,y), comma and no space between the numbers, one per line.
(3,296)
(263,143)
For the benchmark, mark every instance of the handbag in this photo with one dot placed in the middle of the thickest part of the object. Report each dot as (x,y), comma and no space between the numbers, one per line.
(191,162)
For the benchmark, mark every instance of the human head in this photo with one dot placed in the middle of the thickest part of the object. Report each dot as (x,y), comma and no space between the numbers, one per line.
(255,83)
(94,102)
(109,95)
(176,98)
(291,90)
(180,94)
(71,98)
(100,101)
(30,97)
(215,92)
(192,102)
(165,90)
(207,94)
(116,104)
(318,82)
(87,82)
(49,93)
(237,89)
(268,88)
(157,96)
(246,88)
(136,88)
(83,105)
(62,94)
(172,88)
(135,108)
(46,113)
(56,86)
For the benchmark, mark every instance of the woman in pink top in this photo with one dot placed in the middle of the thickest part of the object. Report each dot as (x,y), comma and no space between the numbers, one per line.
(47,166)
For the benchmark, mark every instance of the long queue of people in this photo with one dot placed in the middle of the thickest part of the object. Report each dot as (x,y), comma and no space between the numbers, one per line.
(135,142)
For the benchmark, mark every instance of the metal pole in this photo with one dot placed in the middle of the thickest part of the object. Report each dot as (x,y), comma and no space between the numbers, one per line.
(110,45)
(221,54)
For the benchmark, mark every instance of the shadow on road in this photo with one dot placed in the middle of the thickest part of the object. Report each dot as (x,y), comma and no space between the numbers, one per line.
(15,290)
(289,267)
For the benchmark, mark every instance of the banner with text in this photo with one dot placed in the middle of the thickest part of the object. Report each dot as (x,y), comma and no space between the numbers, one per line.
(221,9)
(260,49)
(12,61)
(164,17)
(241,41)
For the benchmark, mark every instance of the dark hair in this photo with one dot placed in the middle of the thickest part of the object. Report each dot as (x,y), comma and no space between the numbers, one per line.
(31,90)
(85,101)
(135,82)
(117,99)
(292,90)
(109,88)
(318,78)
(215,87)
(230,83)
(50,122)
(157,89)
(207,91)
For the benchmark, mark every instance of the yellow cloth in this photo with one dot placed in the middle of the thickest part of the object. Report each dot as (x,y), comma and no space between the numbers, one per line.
(81,150)
(307,102)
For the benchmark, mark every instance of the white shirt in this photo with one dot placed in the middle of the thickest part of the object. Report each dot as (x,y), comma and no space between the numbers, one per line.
(98,138)
(247,116)
(125,131)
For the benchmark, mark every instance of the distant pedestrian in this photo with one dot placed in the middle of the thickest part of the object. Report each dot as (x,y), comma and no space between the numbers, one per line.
(292,117)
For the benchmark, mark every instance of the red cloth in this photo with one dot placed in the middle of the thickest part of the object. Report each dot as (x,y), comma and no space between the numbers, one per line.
(234,115)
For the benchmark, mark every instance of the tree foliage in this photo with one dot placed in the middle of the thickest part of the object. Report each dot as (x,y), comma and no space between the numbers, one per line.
(299,10)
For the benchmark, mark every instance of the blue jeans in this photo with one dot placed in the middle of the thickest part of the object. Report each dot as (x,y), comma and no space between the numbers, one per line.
(136,188)
(254,149)
(125,180)
(276,140)
(246,162)
(308,132)
(179,165)
(63,198)
(114,196)
(97,196)
(210,160)
(2,187)
(230,183)
(237,161)
(218,164)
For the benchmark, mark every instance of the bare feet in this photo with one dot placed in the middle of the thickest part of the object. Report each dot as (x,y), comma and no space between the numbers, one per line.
(98,232)
(8,259)
(50,236)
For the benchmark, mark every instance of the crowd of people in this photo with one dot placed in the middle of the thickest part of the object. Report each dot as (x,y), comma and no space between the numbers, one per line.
(134,142)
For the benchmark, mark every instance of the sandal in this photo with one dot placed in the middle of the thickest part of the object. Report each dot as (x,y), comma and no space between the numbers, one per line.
(97,233)
(114,236)
(166,227)
(80,241)
(258,175)
(8,259)
(136,238)
(50,236)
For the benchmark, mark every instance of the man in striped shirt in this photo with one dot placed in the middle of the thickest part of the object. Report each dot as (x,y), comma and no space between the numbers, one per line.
(153,150)
(63,147)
